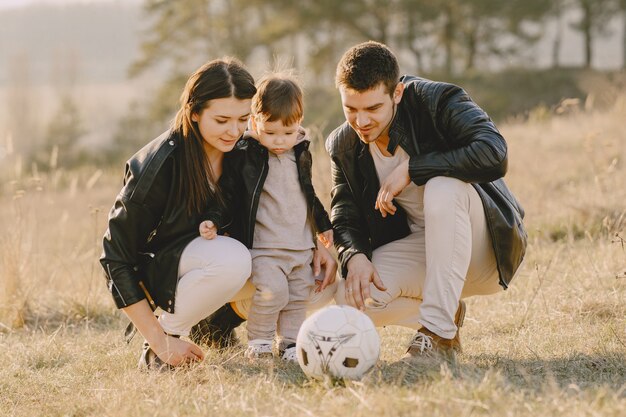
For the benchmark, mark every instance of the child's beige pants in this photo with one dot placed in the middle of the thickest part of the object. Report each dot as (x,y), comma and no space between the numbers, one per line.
(283,280)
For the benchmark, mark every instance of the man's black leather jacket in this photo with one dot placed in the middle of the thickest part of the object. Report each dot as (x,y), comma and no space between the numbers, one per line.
(445,134)
(243,183)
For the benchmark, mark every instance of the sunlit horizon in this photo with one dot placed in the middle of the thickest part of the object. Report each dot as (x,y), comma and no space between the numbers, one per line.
(15,4)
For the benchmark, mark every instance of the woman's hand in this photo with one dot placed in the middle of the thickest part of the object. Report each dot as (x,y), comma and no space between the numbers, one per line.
(176,352)
(170,350)
(323,258)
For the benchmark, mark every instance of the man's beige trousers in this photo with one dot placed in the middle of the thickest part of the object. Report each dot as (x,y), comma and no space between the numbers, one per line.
(447,256)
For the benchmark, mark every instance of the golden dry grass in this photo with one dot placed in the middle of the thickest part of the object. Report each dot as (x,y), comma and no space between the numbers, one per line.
(553,344)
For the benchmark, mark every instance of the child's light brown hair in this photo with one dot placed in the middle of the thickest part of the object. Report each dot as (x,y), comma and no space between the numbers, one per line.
(278,97)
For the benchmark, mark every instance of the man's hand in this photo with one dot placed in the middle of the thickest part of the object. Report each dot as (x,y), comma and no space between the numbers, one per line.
(361,273)
(176,352)
(391,187)
(208,230)
(323,258)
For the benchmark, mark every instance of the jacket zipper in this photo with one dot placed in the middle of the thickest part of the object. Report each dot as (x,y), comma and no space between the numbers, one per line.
(254,196)
(227,224)
(115,286)
(154,232)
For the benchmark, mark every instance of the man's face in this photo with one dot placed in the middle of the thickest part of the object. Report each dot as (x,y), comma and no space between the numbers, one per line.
(370,112)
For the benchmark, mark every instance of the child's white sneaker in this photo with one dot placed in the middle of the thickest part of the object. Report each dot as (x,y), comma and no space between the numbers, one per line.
(259,349)
(289,354)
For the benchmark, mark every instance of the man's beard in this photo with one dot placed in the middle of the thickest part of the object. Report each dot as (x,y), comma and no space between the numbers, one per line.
(369,138)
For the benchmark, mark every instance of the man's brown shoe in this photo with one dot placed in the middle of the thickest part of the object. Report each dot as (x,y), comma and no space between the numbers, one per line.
(427,343)
(459,318)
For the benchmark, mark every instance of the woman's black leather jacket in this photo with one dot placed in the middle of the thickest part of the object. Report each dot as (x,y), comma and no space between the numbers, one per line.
(149,227)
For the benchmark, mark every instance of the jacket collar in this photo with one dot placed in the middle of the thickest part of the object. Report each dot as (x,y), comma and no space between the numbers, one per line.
(396,133)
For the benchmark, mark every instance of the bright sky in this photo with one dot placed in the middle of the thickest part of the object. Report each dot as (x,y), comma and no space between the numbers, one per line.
(7,4)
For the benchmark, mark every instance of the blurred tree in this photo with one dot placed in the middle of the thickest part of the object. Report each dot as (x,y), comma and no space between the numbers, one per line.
(595,16)
(146,119)
(556,12)
(181,36)
(132,133)
(24,119)
(367,19)
(471,30)
(182,30)
(622,7)
(451,18)
(420,22)
(185,29)
(330,26)
(185,33)
(431,31)
(64,131)
(428,34)
(496,29)
(61,145)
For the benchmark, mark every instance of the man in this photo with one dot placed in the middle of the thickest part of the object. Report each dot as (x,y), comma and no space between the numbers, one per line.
(421,215)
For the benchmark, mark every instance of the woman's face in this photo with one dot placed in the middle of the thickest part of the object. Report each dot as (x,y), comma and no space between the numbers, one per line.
(222,122)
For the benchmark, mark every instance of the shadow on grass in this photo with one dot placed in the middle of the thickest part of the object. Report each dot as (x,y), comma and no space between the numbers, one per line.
(582,370)
(282,372)
(585,371)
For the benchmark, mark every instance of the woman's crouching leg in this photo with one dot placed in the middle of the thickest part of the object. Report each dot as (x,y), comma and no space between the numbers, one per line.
(210,273)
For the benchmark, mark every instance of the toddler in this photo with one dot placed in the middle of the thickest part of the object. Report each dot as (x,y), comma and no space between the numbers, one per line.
(279,214)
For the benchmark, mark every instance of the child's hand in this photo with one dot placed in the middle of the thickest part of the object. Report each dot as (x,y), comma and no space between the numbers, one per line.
(326,238)
(208,230)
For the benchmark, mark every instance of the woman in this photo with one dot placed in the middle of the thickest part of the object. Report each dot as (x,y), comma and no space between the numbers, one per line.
(153,256)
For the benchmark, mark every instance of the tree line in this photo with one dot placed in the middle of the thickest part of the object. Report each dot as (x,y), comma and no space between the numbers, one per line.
(446,36)
(443,39)
(439,38)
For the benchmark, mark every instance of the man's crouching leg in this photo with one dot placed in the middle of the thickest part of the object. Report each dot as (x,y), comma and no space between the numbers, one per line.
(459,257)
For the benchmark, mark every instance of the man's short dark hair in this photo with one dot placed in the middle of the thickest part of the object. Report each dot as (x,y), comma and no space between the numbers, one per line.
(366,65)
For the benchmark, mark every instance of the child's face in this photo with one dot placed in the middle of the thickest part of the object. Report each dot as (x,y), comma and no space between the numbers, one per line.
(275,136)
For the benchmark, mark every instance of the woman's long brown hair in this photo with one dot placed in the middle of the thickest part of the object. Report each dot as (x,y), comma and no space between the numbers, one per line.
(216,79)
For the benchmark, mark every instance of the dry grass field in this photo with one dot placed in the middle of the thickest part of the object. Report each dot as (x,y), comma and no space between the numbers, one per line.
(554,344)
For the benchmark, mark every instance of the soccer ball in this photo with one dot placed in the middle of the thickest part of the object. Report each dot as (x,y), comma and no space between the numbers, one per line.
(338,341)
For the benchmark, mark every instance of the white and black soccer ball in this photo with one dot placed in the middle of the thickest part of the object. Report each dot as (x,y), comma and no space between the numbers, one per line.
(338,341)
